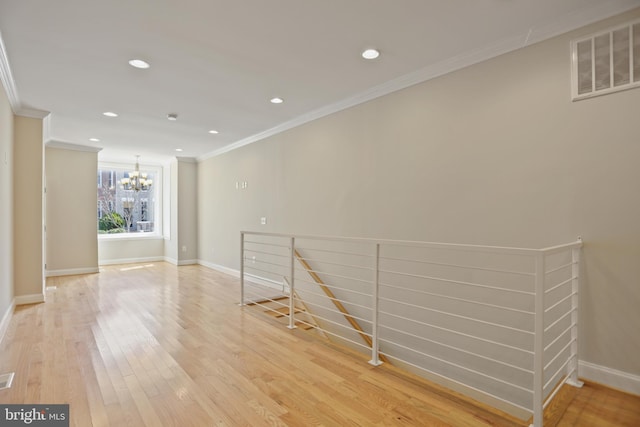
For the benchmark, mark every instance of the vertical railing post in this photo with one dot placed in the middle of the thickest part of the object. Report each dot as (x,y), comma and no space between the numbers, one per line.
(538,342)
(292,321)
(241,268)
(375,357)
(575,282)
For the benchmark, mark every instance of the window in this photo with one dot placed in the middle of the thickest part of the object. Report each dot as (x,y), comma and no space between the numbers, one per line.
(124,211)
(606,62)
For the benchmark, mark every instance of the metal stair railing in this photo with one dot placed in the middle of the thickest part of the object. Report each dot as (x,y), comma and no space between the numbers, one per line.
(499,324)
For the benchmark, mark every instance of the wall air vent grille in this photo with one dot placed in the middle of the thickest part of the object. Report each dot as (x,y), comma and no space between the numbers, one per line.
(606,62)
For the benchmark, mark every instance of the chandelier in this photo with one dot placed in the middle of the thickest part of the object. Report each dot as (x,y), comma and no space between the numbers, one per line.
(136,181)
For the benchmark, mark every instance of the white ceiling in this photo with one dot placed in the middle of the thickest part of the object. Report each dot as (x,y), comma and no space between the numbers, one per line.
(217,63)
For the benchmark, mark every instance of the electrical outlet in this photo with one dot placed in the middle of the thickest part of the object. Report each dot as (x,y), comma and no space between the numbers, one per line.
(263,220)
(184,249)
(253,259)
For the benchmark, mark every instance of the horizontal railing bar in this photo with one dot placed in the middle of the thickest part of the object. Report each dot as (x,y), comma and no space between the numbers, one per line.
(459,316)
(459,333)
(411,243)
(564,365)
(264,244)
(466,267)
(486,393)
(337,312)
(559,353)
(457,299)
(324,273)
(266,262)
(266,253)
(559,302)
(335,263)
(558,337)
(273,309)
(264,299)
(299,279)
(559,248)
(316,316)
(458,366)
(341,337)
(557,321)
(250,280)
(459,349)
(350,304)
(559,268)
(301,248)
(569,280)
(439,279)
(247,267)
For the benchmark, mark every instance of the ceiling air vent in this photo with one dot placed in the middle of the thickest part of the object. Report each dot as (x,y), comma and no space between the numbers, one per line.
(606,62)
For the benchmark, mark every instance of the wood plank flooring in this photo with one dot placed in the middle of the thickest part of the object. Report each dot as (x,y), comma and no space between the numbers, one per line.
(160,345)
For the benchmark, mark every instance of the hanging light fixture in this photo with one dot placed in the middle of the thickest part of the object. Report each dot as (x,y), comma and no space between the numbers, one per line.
(136,181)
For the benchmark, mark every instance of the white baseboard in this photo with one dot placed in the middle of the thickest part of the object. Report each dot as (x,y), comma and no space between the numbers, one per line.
(72,271)
(610,377)
(181,262)
(29,299)
(248,277)
(220,268)
(6,318)
(171,260)
(131,260)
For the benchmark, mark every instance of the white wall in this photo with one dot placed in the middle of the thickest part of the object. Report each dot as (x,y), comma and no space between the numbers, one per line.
(492,154)
(71,200)
(181,245)
(6,207)
(170,210)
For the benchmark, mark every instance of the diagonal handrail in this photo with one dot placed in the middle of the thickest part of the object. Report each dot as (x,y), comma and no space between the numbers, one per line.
(352,321)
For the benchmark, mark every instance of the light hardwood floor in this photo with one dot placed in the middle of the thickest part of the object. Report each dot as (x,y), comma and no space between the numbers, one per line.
(154,344)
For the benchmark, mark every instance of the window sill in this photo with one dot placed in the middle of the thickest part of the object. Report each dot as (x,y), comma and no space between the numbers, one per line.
(131,236)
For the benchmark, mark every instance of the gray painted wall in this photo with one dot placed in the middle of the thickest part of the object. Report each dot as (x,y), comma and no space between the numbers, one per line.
(494,154)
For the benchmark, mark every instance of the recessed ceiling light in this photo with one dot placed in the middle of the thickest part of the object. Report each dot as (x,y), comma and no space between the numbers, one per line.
(139,63)
(172,116)
(213,131)
(94,140)
(110,114)
(370,54)
(178,149)
(277,100)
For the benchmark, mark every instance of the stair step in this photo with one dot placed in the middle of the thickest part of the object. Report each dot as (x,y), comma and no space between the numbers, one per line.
(267,300)
(282,311)
(303,325)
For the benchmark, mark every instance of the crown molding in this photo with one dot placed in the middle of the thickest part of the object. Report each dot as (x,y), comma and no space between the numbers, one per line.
(562,25)
(74,147)
(402,82)
(31,113)
(7,78)
(186,159)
